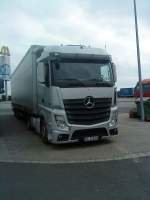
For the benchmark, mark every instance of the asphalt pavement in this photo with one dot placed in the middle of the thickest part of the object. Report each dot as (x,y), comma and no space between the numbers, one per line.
(115,169)
(112,180)
(18,144)
(126,104)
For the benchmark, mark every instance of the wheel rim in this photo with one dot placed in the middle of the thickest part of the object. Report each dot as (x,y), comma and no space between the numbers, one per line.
(28,123)
(43,131)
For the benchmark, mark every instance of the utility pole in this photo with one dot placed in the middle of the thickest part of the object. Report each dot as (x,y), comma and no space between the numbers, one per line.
(139,63)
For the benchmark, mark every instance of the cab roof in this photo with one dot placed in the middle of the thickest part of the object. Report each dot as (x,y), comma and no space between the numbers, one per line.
(73,50)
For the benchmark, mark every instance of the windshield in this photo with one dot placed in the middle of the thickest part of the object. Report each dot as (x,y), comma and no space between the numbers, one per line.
(71,74)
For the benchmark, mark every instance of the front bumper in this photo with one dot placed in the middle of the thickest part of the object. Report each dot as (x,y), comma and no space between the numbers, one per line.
(78,132)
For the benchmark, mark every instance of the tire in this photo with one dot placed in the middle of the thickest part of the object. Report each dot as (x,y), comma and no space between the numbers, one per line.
(17,115)
(44,132)
(29,123)
(100,138)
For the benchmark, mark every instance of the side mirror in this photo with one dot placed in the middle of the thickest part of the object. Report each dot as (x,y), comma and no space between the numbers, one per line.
(114,72)
(46,83)
(57,64)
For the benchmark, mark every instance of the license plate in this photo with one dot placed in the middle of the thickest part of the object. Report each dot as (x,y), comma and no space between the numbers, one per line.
(91,138)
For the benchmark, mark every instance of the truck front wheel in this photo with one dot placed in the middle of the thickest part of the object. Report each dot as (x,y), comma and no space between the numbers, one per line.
(18,115)
(29,123)
(44,132)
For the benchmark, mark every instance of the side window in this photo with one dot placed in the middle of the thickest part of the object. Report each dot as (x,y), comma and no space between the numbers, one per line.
(46,74)
(43,73)
(105,73)
(40,73)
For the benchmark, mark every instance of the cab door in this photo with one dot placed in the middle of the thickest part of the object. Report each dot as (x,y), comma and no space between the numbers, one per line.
(43,85)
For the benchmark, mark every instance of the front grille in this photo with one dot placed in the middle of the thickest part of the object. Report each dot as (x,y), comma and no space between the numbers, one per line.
(78,113)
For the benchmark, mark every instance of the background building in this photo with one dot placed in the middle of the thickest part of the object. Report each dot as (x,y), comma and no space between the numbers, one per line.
(5,70)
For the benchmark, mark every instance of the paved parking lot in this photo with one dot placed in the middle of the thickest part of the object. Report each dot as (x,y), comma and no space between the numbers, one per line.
(125,104)
(120,169)
(21,145)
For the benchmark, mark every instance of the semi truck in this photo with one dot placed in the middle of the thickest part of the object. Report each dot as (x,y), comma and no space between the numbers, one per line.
(66,93)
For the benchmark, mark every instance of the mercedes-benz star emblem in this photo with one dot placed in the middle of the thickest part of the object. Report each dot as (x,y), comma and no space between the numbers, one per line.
(89,102)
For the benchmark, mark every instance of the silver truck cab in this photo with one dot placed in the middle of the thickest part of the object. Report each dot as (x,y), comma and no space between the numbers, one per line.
(76,94)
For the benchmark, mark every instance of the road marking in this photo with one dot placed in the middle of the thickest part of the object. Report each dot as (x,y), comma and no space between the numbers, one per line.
(134,156)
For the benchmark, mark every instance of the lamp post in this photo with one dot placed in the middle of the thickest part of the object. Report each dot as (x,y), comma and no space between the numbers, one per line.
(139,63)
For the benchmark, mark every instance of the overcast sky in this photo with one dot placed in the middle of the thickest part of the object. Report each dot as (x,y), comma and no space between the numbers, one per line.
(89,22)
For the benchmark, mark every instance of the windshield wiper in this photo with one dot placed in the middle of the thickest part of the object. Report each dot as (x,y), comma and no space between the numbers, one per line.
(99,82)
(107,84)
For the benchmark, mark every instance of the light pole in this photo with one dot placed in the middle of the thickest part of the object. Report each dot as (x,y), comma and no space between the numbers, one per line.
(139,63)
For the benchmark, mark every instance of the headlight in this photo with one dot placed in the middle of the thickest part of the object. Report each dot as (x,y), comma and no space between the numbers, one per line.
(115,96)
(114,119)
(115,115)
(60,121)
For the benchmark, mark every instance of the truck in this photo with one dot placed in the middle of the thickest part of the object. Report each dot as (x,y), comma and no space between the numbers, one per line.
(66,93)
(126,92)
(146,89)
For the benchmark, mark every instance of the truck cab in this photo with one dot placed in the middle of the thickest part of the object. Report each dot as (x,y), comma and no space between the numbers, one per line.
(76,94)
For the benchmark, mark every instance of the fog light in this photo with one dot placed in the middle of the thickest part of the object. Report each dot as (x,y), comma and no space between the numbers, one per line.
(113,131)
(63,137)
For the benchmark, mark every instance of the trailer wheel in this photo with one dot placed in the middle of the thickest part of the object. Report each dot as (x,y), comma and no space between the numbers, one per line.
(44,132)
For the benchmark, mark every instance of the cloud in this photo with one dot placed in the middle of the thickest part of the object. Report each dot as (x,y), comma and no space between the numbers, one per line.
(95,23)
